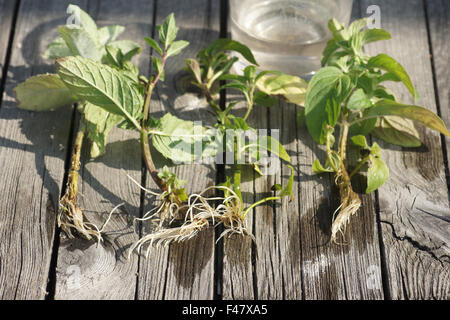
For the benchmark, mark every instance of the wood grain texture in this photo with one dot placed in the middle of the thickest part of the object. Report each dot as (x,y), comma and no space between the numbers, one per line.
(413,203)
(277,225)
(238,252)
(294,258)
(438,14)
(85,270)
(6,23)
(185,270)
(32,153)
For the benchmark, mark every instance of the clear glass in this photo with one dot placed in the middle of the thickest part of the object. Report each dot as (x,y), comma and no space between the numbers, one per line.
(286,35)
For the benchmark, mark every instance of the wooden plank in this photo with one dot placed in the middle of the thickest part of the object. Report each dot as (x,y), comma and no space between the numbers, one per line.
(84,270)
(277,226)
(6,20)
(186,270)
(32,153)
(413,204)
(438,14)
(238,267)
(294,259)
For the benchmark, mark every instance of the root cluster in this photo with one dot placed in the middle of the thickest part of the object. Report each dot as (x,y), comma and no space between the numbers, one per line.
(350,204)
(71,218)
(199,213)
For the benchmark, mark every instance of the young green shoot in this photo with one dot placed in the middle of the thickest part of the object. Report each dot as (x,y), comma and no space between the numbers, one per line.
(347,96)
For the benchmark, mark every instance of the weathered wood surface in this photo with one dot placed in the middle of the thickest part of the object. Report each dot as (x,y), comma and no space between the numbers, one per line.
(414,207)
(84,269)
(6,23)
(330,271)
(438,14)
(32,153)
(186,270)
(397,245)
(294,257)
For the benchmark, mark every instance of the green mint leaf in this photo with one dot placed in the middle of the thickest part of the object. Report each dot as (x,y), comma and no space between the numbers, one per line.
(367,82)
(360,141)
(234,85)
(257,169)
(239,123)
(276,187)
(340,60)
(331,48)
(43,92)
(181,194)
(375,150)
(318,168)
(232,45)
(80,42)
(83,20)
(250,73)
(157,65)
(109,33)
(86,79)
(358,100)
(287,191)
(113,57)
(153,44)
(57,49)
(193,66)
(363,127)
(384,93)
(422,115)
(339,32)
(181,140)
(388,77)
(264,99)
(129,48)
(398,131)
(356,26)
(373,35)
(328,82)
(176,47)
(377,174)
(333,110)
(168,31)
(291,88)
(98,125)
(173,182)
(389,64)
(274,146)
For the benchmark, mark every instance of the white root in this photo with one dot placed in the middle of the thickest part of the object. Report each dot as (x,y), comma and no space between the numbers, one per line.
(71,217)
(350,204)
(199,213)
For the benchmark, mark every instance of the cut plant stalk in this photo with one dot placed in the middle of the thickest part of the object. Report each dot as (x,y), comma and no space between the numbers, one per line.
(70,216)
(212,65)
(348,93)
(50,91)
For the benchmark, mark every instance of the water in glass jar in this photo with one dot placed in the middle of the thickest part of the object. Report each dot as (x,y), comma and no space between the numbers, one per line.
(285,35)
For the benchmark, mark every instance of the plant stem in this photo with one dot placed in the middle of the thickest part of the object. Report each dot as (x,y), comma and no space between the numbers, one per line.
(237,170)
(359,166)
(275,198)
(210,99)
(72,182)
(343,141)
(249,102)
(144,133)
(329,155)
(249,110)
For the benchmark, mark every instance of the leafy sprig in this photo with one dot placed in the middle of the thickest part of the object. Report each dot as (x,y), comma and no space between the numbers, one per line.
(347,96)
(214,65)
